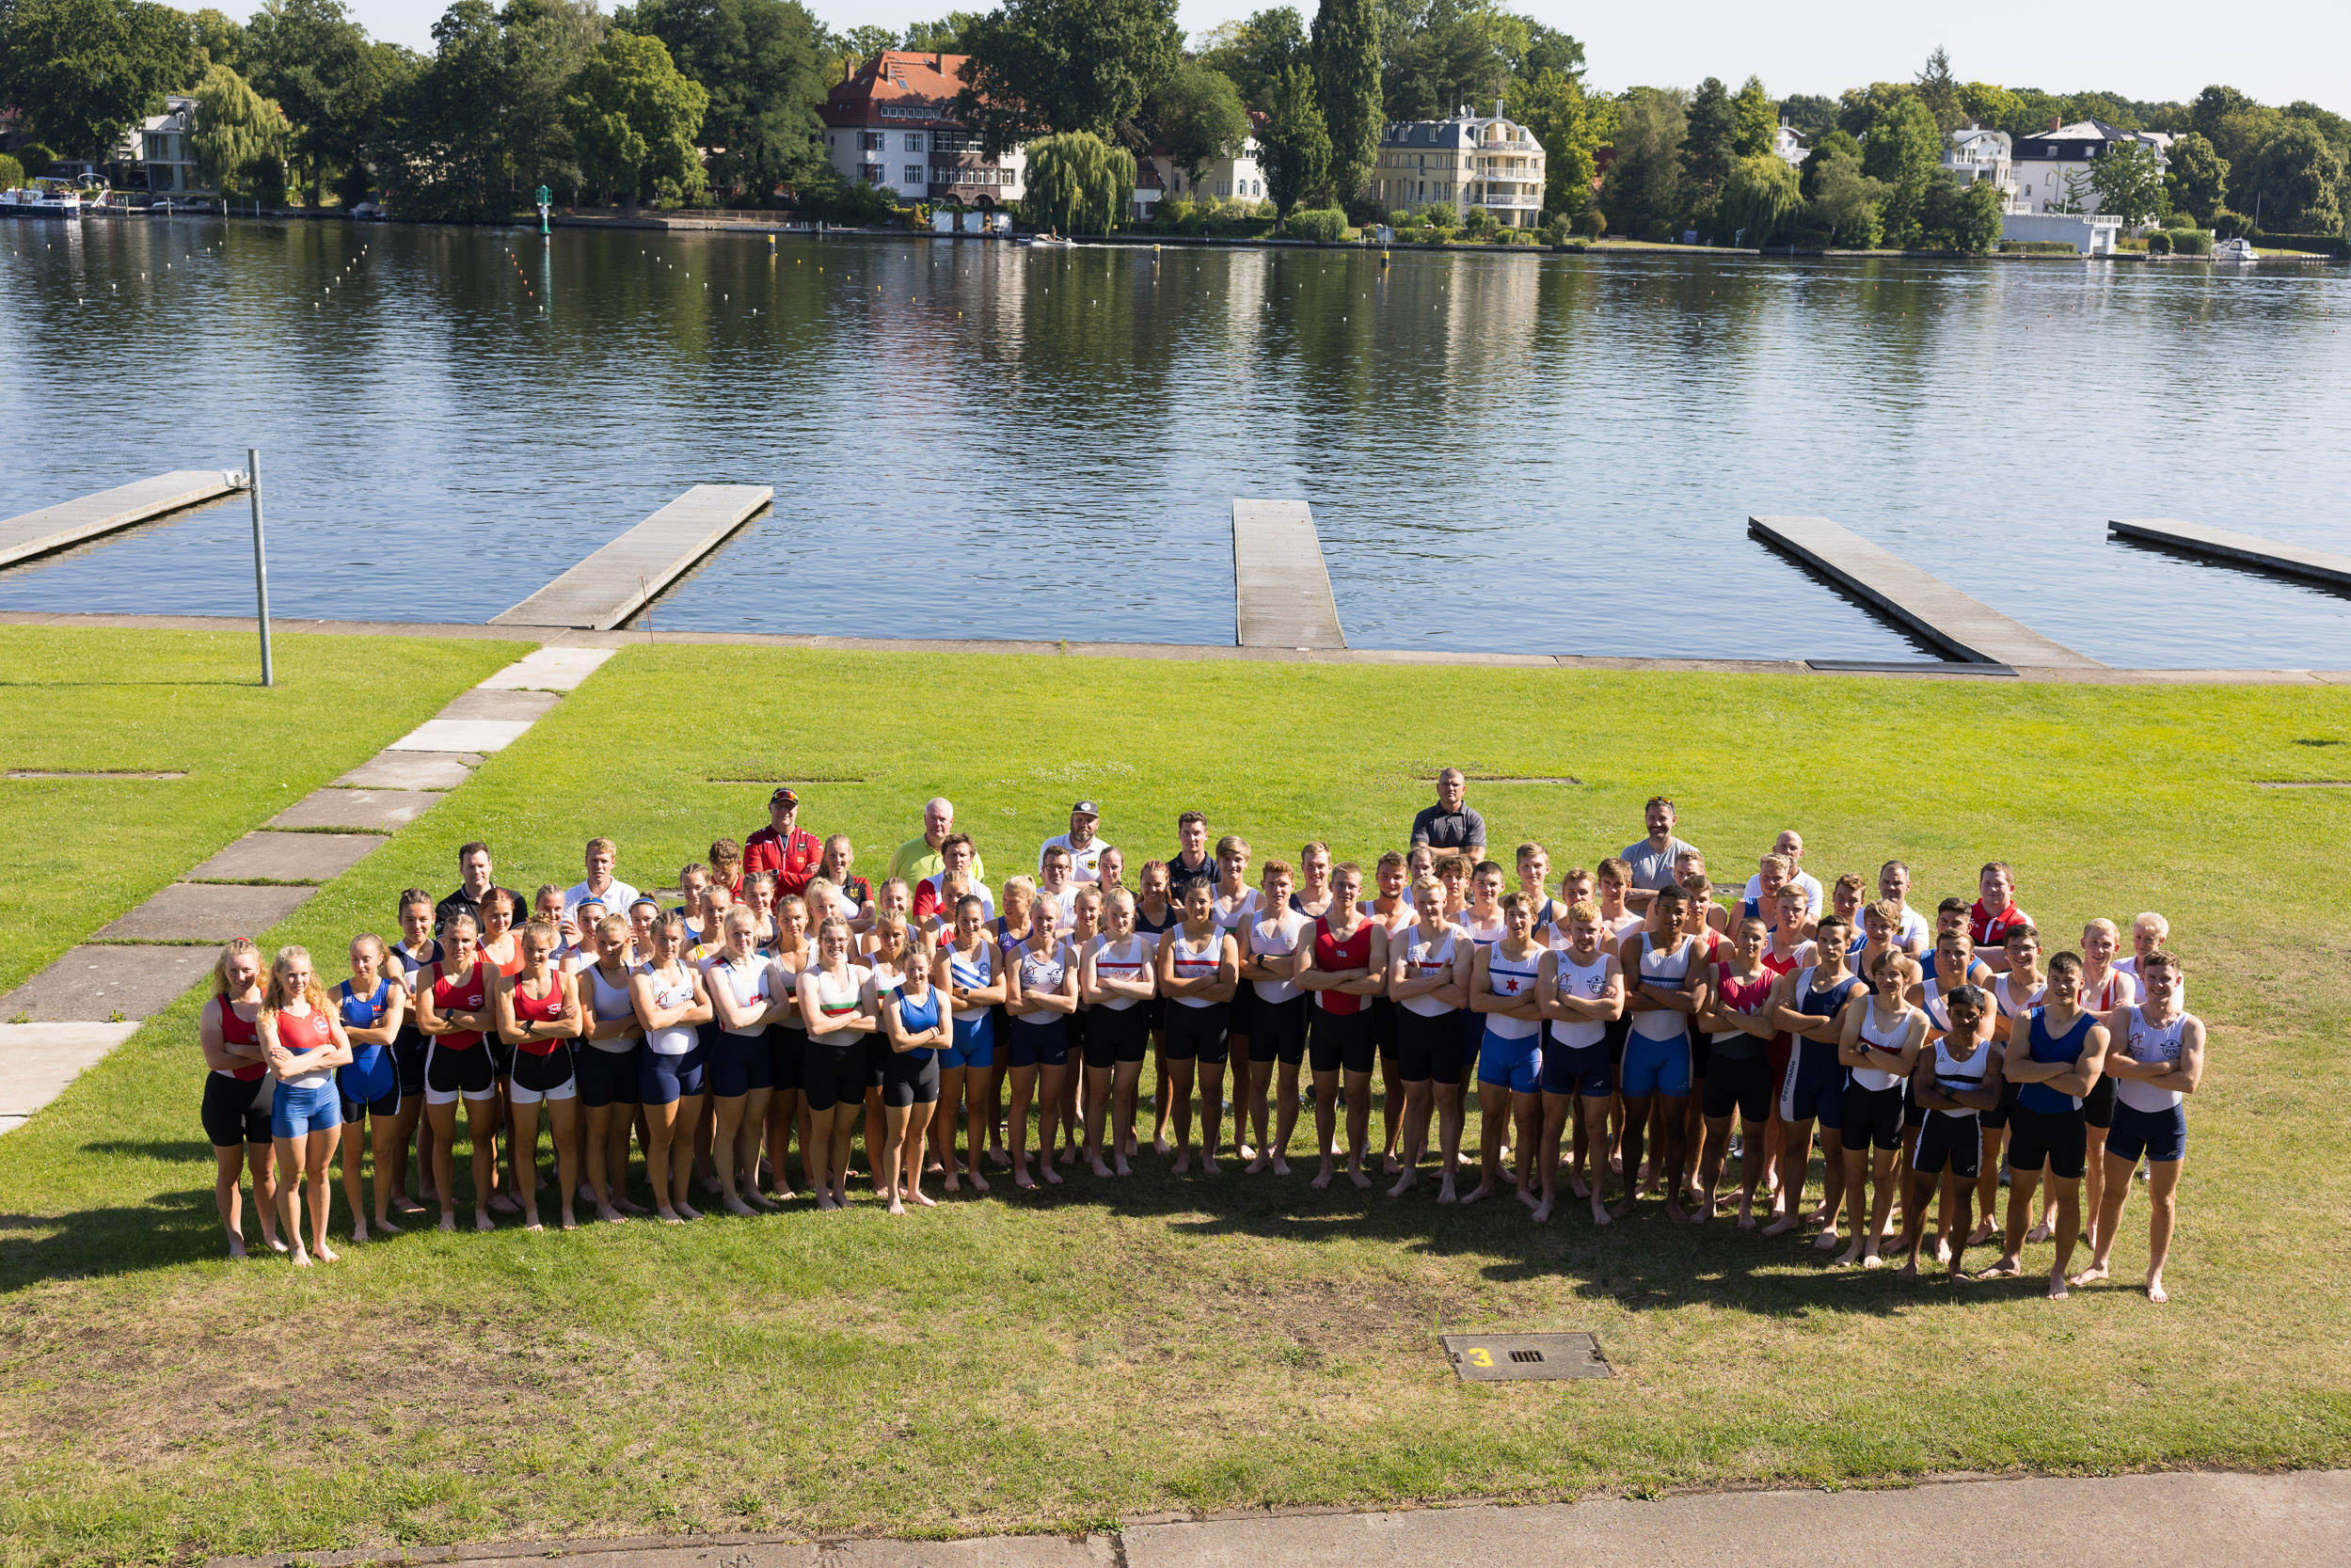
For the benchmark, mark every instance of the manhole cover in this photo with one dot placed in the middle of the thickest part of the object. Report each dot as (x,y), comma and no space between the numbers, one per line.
(1514,1357)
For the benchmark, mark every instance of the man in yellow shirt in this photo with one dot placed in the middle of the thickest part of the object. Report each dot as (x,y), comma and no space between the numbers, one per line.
(918,858)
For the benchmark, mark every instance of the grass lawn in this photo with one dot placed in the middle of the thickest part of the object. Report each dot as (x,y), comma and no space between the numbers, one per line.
(1043,1362)
(81,851)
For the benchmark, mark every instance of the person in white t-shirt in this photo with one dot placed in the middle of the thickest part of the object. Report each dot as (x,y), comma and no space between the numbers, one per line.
(1056,892)
(1084,847)
(1789,846)
(1917,934)
(600,885)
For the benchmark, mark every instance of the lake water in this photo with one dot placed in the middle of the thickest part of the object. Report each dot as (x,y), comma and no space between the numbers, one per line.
(1504,452)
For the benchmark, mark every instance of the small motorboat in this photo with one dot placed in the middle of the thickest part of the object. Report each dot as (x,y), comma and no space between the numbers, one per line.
(2238,249)
(44,198)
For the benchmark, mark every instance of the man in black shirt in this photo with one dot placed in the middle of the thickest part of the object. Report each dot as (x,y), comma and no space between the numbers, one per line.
(474,883)
(1449,824)
(1192,863)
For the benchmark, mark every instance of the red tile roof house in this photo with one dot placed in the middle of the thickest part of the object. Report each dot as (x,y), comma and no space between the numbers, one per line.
(893,125)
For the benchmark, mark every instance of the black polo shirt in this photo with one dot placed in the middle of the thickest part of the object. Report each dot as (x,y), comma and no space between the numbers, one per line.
(1440,828)
(462,902)
(1180,880)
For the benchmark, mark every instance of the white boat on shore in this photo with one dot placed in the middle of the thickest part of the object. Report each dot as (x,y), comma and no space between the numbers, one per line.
(2238,249)
(43,198)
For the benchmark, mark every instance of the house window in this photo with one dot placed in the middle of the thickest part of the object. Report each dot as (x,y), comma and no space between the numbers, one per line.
(913,141)
(872,141)
(913,174)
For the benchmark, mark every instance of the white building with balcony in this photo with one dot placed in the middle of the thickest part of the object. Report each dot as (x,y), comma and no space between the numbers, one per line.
(892,125)
(2051,170)
(1468,160)
(1788,143)
(1975,153)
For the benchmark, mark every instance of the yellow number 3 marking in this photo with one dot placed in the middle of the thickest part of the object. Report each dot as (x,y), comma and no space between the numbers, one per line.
(1480,1358)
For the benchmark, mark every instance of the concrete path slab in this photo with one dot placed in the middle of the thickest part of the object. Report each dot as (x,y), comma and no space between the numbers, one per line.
(39,1060)
(90,984)
(500,703)
(54,527)
(549,670)
(616,581)
(286,857)
(1916,600)
(206,911)
(1281,589)
(2238,549)
(481,736)
(380,809)
(2211,1520)
(423,770)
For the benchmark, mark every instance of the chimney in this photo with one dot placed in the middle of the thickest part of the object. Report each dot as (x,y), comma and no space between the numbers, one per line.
(2055,123)
(1498,108)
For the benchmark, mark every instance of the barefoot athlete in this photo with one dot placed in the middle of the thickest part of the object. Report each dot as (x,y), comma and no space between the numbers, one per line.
(968,974)
(453,1009)
(745,1002)
(1811,1009)
(1199,968)
(302,1040)
(1428,979)
(2105,989)
(1667,978)
(1738,1068)
(1581,988)
(1878,1044)
(1268,947)
(2057,1060)
(2157,1061)
(1115,980)
(834,1000)
(1956,1080)
(671,1003)
(607,1068)
(914,1026)
(373,1009)
(1342,959)
(1503,995)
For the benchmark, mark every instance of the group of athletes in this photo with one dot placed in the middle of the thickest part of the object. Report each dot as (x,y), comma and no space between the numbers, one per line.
(1629,1030)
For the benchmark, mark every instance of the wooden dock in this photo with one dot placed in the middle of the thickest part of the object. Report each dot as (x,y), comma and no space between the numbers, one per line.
(1966,627)
(67,523)
(1281,590)
(2237,550)
(616,581)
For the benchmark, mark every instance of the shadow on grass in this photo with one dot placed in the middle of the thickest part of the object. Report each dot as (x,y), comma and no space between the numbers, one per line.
(167,1229)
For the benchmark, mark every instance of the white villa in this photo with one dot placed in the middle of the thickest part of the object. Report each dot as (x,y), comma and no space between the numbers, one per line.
(2046,166)
(1979,152)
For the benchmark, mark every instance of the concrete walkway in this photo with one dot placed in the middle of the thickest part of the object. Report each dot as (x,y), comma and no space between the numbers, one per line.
(2206,1519)
(582,640)
(71,1014)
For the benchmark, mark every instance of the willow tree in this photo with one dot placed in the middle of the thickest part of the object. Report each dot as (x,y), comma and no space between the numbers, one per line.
(1078,184)
(1761,195)
(237,131)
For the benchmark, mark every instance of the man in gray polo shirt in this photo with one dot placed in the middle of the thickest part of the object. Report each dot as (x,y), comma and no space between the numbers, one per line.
(1449,824)
(1652,858)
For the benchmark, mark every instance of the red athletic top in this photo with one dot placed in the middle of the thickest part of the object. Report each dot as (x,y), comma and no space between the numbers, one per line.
(1330,954)
(794,863)
(1773,967)
(460,996)
(300,1032)
(1744,996)
(1990,929)
(239,1031)
(545,1010)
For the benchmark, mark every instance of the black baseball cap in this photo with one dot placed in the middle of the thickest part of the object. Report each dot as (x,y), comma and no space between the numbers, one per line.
(783,797)
(1085,808)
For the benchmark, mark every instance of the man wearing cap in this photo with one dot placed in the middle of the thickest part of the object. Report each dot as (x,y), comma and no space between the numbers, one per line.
(1084,848)
(782,848)
(918,858)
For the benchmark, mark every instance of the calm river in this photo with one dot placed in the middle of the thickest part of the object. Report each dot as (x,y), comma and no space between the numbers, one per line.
(969,440)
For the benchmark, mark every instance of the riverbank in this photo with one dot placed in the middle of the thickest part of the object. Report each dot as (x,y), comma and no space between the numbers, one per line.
(951,1372)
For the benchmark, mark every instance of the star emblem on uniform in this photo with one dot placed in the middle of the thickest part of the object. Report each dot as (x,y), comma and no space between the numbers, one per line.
(1509,988)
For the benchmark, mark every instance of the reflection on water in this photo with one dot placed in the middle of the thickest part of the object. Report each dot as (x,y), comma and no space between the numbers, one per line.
(975,439)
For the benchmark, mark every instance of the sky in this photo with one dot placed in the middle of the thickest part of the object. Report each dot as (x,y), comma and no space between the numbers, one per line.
(2276,50)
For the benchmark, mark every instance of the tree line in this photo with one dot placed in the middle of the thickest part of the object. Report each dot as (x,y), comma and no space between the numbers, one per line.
(691,100)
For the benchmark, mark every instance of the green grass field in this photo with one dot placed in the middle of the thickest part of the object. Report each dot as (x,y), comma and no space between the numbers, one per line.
(81,851)
(1049,1362)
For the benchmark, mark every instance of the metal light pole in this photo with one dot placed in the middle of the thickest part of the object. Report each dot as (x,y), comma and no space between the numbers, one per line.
(260,561)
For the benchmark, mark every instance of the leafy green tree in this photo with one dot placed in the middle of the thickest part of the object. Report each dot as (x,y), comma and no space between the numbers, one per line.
(1940,93)
(1346,89)
(946,36)
(761,64)
(865,41)
(2199,178)
(1549,49)
(1846,202)
(1438,55)
(1835,141)
(1197,116)
(1979,226)
(237,131)
(11,173)
(2214,104)
(2079,196)
(1710,138)
(2293,181)
(312,58)
(1859,109)
(219,41)
(634,117)
(546,42)
(1809,113)
(2128,178)
(1254,51)
(1905,149)
(1294,145)
(1758,124)
(1064,65)
(1992,105)
(1078,184)
(1644,179)
(85,71)
(1759,199)
(1555,108)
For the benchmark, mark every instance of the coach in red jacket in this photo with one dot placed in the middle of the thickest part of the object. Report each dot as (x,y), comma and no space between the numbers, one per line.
(782,848)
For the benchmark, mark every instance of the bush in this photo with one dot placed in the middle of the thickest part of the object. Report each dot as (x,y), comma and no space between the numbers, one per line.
(1596,223)
(2038,247)
(1400,219)
(1558,230)
(1660,233)
(1323,224)
(1439,215)
(2158,242)
(1478,223)
(2229,226)
(1364,212)
(11,173)
(2191,241)
(35,159)
(1171,214)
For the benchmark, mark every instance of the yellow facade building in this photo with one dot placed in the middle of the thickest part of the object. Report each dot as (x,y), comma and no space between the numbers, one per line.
(1468,160)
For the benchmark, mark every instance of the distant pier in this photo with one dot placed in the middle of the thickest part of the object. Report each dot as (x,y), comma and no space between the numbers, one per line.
(1280,588)
(616,581)
(67,523)
(2237,549)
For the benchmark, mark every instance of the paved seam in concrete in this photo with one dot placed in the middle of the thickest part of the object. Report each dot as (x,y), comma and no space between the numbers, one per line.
(2237,550)
(1916,600)
(2213,1519)
(1281,584)
(615,583)
(2086,674)
(67,523)
(140,964)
